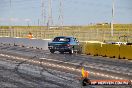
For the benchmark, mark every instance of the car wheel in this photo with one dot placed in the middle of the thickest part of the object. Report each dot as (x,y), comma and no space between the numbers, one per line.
(52,51)
(71,51)
(79,51)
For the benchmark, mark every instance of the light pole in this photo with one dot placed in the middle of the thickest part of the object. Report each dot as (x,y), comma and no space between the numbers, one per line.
(112,21)
(10,26)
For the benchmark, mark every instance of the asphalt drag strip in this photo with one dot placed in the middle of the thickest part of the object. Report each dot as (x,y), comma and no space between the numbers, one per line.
(46,71)
(30,76)
(59,65)
(25,73)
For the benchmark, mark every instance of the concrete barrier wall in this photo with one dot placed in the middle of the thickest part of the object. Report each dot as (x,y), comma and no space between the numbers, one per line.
(35,43)
(126,52)
(90,48)
(102,50)
(6,40)
(83,45)
(112,51)
(93,48)
(109,50)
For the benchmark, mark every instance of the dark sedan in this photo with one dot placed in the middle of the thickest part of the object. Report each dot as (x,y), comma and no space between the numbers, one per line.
(64,44)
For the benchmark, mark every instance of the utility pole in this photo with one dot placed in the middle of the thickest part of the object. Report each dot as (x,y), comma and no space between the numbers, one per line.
(38,22)
(43,13)
(61,16)
(113,13)
(50,21)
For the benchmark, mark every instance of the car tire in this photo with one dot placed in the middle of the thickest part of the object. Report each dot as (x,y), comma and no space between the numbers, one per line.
(71,51)
(52,51)
(79,51)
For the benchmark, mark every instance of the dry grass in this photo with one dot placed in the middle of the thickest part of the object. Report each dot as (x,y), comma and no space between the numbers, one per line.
(92,32)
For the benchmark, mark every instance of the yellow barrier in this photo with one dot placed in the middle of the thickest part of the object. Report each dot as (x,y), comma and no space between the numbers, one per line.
(92,48)
(112,51)
(87,49)
(102,50)
(98,48)
(109,50)
(126,52)
(83,45)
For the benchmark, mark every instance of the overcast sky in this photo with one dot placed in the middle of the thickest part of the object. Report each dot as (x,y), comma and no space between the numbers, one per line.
(75,12)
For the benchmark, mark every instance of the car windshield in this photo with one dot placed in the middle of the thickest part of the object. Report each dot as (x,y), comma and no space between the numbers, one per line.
(61,39)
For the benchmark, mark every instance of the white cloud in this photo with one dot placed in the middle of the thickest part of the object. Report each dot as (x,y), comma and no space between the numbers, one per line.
(2,19)
(27,20)
(14,19)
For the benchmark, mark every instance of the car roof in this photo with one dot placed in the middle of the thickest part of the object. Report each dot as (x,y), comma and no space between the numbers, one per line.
(64,37)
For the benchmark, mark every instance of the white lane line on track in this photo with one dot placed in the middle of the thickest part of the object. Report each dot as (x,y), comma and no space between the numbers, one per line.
(55,61)
(117,70)
(53,65)
(63,67)
(59,61)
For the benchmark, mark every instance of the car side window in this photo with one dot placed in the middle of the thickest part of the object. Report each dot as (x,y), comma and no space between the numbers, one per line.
(56,39)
